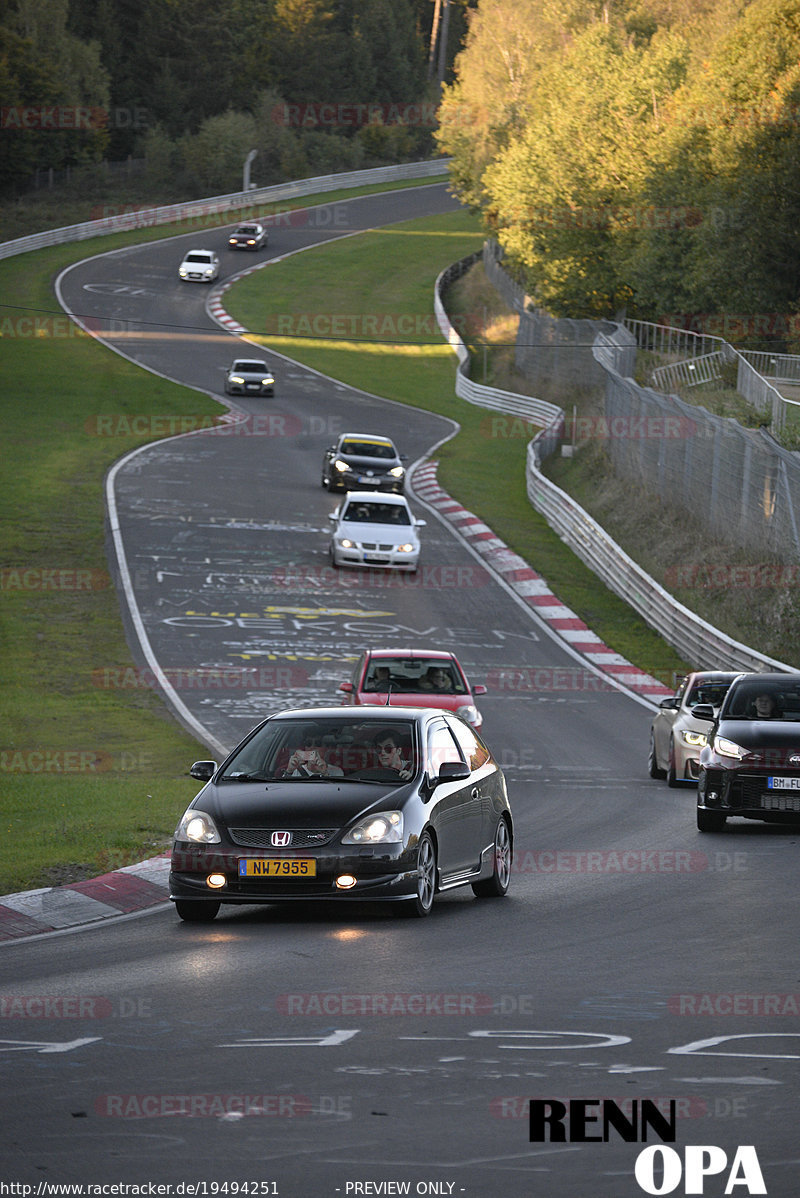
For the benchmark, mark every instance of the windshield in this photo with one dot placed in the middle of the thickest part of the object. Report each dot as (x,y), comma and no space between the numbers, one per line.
(377,513)
(367,449)
(415,676)
(374,751)
(708,692)
(768,700)
(198,257)
(250,367)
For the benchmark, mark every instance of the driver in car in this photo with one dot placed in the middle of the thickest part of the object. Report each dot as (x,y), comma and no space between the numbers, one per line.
(393,756)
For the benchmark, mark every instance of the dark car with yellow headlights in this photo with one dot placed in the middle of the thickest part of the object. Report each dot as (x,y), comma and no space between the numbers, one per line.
(750,766)
(393,804)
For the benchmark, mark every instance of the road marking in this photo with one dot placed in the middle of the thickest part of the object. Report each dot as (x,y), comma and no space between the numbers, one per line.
(45,1045)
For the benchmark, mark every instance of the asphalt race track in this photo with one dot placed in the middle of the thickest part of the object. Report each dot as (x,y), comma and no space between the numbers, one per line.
(308,1052)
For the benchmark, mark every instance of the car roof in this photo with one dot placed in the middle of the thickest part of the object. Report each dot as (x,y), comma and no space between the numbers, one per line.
(426,654)
(248,362)
(366,437)
(358,715)
(714,675)
(383,496)
(200,251)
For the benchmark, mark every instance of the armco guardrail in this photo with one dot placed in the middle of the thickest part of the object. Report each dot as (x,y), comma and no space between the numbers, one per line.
(697,641)
(522,407)
(166,215)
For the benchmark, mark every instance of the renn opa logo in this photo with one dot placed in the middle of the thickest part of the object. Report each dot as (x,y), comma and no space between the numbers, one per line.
(659,1169)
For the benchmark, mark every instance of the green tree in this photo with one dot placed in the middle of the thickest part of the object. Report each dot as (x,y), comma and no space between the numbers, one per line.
(564,197)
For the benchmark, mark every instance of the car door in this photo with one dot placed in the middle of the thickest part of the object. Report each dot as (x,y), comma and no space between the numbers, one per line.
(456,813)
(486,778)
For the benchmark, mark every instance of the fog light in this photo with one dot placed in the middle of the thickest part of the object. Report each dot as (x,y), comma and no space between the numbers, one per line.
(216,881)
(345,881)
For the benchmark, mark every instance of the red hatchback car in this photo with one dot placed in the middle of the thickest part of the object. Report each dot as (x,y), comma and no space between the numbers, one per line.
(413,678)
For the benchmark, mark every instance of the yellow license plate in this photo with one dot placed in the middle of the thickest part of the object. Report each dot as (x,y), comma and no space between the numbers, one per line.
(277,867)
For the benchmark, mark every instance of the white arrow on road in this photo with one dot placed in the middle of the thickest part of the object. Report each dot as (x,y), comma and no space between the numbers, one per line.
(44,1045)
(337,1037)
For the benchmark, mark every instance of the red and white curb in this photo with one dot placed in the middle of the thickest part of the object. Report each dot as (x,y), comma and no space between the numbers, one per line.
(532,589)
(121,892)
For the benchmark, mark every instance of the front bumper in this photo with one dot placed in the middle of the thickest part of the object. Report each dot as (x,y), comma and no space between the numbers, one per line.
(354,482)
(250,388)
(747,793)
(376,559)
(387,872)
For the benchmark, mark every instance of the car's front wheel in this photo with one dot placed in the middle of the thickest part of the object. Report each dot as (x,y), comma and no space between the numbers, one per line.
(672,777)
(653,767)
(497,885)
(710,821)
(422,903)
(192,911)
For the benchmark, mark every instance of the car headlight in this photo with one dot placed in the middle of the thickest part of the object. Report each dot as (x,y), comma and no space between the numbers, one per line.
(469,713)
(341,466)
(183,272)
(727,748)
(697,739)
(407,548)
(268,381)
(397,471)
(236,378)
(198,827)
(384,828)
(346,543)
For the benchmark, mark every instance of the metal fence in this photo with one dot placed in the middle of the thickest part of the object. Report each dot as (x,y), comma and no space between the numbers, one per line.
(738,483)
(549,352)
(695,639)
(699,358)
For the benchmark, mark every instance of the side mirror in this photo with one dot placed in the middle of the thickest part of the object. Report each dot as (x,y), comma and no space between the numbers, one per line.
(453,771)
(669,704)
(332,516)
(403,457)
(479,689)
(420,523)
(347,687)
(203,770)
(704,711)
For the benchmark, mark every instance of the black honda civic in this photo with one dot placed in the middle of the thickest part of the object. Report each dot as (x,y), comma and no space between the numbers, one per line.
(751,764)
(338,804)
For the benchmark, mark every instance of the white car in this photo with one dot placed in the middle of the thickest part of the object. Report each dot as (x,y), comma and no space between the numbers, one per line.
(248,377)
(199,266)
(676,736)
(371,528)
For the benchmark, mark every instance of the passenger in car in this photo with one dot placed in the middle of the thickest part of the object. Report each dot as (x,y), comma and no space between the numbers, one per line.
(309,761)
(437,678)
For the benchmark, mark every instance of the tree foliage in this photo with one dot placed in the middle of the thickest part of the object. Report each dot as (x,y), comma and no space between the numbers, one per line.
(642,156)
(169,71)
